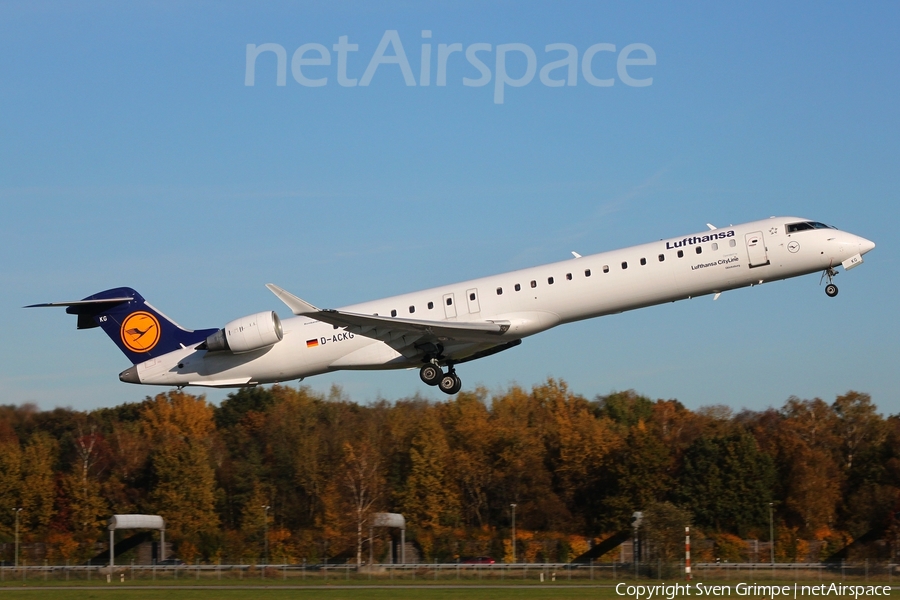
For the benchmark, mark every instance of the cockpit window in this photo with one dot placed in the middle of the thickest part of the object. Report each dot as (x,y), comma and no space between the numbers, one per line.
(807,226)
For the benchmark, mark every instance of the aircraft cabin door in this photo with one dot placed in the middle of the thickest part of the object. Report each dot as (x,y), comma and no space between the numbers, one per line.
(449,306)
(756,249)
(472,299)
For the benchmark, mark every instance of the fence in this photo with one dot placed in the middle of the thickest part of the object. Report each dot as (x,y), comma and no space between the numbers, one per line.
(559,572)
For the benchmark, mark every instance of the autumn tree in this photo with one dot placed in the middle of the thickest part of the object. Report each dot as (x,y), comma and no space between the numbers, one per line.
(10,476)
(578,446)
(428,500)
(180,427)
(470,435)
(360,481)
(87,509)
(520,458)
(38,488)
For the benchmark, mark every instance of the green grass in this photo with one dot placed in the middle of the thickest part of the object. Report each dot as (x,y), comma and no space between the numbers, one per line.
(359,593)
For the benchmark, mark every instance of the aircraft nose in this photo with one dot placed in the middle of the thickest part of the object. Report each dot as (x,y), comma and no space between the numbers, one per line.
(130,375)
(865,245)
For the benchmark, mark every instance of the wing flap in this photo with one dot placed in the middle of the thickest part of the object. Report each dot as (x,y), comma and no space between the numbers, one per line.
(393,330)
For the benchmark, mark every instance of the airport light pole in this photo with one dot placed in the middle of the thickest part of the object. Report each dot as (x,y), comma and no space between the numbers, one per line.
(771,536)
(513,506)
(266,532)
(17,511)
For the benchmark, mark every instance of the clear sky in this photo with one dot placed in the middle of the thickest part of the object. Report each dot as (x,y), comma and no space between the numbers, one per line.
(133,152)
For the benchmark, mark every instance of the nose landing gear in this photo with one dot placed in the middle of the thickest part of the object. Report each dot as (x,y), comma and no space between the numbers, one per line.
(448,383)
(831,290)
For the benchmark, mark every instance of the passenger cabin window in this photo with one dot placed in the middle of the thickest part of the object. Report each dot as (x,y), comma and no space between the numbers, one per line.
(518,287)
(699,249)
(606,268)
(587,272)
(449,301)
(499,291)
(393,313)
(430,305)
(643,261)
(732,243)
(533,283)
(624,265)
(662,257)
(412,309)
(681,254)
(715,246)
(569,276)
(472,296)
(550,280)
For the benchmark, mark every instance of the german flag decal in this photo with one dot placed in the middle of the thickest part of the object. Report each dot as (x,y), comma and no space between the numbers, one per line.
(312,343)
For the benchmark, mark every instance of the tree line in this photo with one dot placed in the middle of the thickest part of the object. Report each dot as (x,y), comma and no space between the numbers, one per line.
(308,470)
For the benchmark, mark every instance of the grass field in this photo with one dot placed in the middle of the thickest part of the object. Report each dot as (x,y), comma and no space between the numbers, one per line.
(327,593)
(357,591)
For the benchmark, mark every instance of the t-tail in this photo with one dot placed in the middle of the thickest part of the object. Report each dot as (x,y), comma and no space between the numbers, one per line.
(140,331)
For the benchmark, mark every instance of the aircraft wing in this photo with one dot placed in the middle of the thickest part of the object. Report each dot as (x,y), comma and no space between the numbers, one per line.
(400,334)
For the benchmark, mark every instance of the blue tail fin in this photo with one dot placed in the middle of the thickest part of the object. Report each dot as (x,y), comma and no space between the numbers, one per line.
(140,331)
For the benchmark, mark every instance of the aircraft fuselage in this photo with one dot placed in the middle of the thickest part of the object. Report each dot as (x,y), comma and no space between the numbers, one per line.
(528,300)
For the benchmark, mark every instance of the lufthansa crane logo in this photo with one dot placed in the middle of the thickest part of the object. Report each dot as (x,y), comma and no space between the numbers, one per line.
(140,331)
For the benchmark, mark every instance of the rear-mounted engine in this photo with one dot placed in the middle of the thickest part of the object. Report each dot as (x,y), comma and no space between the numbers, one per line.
(246,334)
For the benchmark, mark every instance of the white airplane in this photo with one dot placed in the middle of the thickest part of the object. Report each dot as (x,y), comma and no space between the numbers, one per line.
(436,329)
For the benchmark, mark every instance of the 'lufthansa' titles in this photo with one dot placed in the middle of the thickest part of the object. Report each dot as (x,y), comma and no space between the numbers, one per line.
(699,239)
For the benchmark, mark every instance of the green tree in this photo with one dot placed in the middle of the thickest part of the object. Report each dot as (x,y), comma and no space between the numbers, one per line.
(727,482)
(640,472)
(626,408)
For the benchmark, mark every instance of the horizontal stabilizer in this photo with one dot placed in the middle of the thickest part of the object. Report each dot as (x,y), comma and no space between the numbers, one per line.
(86,309)
(83,303)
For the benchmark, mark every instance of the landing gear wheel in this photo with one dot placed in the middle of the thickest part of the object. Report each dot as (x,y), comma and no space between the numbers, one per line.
(830,290)
(450,384)
(431,374)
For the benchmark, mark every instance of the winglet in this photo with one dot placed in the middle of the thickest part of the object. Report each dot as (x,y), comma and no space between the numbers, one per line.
(297,306)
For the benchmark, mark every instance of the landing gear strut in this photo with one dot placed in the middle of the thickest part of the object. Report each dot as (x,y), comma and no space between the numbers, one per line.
(831,290)
(432,374)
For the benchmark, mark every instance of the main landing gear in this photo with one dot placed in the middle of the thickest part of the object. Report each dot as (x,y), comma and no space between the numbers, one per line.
(831,290)
(448,383)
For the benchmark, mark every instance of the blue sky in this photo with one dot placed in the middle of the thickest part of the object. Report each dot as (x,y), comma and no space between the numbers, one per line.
(132,153)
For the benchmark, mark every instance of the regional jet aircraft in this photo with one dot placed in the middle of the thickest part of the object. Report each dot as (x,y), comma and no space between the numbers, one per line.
(437,329)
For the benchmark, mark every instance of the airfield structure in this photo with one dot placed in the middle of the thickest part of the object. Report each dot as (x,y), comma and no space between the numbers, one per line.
(136,522)
(390,520)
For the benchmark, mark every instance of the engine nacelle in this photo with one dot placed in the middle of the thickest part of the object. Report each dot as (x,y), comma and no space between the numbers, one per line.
(247,333)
